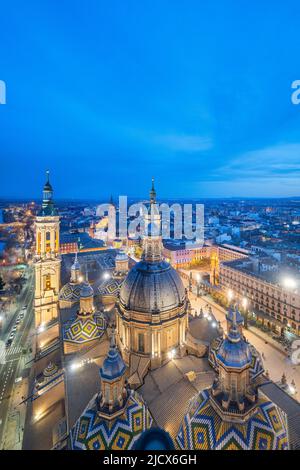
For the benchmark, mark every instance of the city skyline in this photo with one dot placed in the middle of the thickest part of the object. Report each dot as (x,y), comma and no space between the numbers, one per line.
(113,94)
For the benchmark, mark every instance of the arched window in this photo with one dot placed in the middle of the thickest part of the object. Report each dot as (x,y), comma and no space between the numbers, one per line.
(48,242)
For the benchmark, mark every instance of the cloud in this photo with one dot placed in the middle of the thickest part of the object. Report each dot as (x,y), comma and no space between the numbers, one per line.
(281,161)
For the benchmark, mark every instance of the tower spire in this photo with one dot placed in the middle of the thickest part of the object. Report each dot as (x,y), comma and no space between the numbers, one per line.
(47,204)
(152,193)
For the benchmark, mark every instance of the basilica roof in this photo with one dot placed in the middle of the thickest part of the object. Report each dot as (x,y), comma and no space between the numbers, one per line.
(108,287)
(155,287)
(93,432)
(82,328)
(70,292)
(204,429)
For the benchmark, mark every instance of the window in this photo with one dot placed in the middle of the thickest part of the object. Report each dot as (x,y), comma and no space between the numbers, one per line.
(141,342)
(48,242)
(48,282)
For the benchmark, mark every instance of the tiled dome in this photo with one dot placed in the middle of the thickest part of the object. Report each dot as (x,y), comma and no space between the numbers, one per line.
(92,432)
(204,429)
(155,287)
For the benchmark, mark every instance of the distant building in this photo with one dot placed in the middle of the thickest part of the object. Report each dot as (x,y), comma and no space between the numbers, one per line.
(275,306)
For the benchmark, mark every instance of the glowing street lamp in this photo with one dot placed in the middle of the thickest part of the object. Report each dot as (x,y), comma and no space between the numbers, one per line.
(171,354)
(106,276)
(230,295)
(289,283)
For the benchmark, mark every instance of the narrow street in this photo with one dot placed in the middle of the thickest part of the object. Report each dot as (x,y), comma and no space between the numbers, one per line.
(15,364)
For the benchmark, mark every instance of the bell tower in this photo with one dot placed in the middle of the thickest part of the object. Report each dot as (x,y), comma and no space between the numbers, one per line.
(47,260)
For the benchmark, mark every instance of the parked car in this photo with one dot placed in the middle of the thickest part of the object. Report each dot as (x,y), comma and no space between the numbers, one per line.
(8,343)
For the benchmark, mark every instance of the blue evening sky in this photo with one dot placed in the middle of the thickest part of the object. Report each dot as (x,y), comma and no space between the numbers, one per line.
(108,93)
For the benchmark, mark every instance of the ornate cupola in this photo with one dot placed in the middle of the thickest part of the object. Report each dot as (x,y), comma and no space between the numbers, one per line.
(75,271)
(233,387)
(86,306)
(114,392)
(152,307)
(152,243)
(70,292)
(121,264)
(234,311)
(48,207)
(116,417)
(231,415)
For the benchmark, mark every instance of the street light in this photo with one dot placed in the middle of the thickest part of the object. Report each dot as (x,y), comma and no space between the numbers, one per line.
(289,283)
(230,295)
(106,276)
(171,354)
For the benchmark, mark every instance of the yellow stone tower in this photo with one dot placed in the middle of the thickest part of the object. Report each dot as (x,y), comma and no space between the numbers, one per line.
(47,260)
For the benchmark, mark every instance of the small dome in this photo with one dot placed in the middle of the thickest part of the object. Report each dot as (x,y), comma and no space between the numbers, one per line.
(152,287)
(92,432)
(83,329)
(86,290)
(70,292)
(233,352)
(204,429)
(113,365)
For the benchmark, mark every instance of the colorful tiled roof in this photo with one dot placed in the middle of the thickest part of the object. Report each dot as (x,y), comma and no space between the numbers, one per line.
(83,329)
(92,432)
(204,429)
(70,292)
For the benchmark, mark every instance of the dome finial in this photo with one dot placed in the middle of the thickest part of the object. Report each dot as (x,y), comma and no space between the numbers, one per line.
(48,175)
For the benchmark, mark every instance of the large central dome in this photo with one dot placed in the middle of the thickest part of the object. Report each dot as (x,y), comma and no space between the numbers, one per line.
(152,287)
(152,310)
